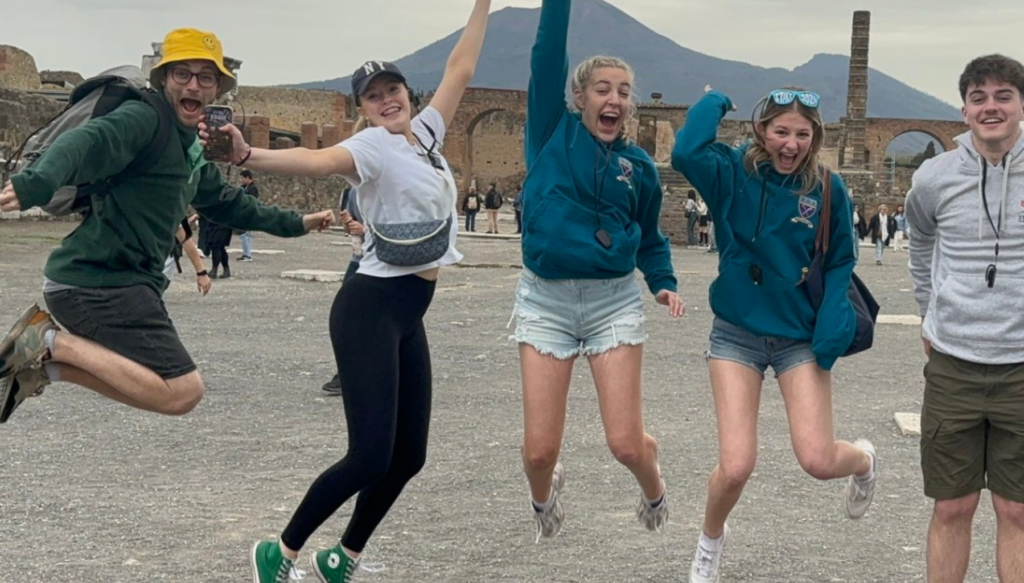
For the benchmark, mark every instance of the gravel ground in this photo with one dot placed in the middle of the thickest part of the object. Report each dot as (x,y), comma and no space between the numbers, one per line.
(92,491)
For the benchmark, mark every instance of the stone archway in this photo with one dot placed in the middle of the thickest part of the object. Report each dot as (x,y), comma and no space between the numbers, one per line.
(476,106)
(882,131)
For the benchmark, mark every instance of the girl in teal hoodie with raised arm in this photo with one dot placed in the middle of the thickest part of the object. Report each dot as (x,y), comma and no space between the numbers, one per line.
(765,197)
(591,204)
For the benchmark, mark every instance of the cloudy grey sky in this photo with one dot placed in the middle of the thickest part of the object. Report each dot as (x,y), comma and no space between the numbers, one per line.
(924,43)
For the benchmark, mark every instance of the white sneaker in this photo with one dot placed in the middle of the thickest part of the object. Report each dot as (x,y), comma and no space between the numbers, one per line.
(706,562)
(859,493)
(549,522)
(654,518)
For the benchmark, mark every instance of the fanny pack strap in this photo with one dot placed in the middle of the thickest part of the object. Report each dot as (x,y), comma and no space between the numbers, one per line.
(452,190)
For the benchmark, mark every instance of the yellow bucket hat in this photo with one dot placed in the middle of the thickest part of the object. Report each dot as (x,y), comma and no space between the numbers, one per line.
(186,44)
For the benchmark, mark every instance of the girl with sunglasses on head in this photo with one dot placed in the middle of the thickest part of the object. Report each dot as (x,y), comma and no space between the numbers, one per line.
(407,197)
(765,197)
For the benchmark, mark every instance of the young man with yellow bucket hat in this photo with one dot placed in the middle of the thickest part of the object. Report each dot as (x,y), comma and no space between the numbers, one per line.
(104,282)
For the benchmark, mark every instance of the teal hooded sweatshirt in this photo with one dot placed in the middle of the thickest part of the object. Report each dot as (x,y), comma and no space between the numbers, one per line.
(765,227)
(577,185)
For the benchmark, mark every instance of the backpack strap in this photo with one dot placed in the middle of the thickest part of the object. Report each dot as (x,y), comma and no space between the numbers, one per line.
(112,98)
(822,237)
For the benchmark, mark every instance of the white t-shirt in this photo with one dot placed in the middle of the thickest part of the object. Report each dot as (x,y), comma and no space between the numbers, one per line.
(398,184)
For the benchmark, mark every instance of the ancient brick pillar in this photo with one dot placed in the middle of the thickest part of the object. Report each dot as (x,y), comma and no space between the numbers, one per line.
(310,135)
(284,143)
(259,131)
(857,92)
(346,129)
(331,135)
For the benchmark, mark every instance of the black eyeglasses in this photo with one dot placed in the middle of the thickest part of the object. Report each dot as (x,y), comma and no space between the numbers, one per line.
(206,79)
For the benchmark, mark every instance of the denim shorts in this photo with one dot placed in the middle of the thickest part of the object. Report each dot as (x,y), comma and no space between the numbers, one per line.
(566,318)
(730,342)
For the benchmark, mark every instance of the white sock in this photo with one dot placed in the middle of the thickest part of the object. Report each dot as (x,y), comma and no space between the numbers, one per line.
(542,506)
(48,339)
(871,471)
(52,371)
(711,544)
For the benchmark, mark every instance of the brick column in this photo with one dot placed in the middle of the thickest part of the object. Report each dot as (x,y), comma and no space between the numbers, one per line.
(258,127)
(310,135)
(857,91)
(332,135)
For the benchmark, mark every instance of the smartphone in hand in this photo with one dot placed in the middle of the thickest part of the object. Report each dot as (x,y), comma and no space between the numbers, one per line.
(218,145)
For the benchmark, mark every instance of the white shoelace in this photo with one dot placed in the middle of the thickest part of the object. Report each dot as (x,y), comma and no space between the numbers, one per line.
(705,560)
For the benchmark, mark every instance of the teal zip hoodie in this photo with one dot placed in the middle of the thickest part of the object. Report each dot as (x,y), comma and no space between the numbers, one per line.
(576,184)
(762,222)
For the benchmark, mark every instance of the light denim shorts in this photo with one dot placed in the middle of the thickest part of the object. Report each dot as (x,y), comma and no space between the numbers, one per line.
(730,342)
(565,318)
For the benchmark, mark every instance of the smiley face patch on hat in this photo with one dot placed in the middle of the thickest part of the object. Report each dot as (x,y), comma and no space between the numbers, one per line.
(209,42)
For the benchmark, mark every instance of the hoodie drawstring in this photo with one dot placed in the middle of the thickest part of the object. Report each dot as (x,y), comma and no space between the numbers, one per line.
(997,227)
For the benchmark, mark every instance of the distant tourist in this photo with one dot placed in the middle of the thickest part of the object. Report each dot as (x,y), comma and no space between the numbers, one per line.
(702,222)
(492,202)
(250,188)
(882,228)
(763,316)
(471,206)
(901,229)
(591,206)
(692,217)
(966,215)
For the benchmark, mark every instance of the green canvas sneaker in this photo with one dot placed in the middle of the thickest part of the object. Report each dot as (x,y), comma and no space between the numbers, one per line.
(334,565)
(269,565)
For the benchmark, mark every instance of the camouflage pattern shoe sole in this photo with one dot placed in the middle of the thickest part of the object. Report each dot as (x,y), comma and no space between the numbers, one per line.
(16,388)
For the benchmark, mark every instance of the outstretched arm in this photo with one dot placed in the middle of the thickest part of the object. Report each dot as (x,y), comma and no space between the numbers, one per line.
(294,161)
(549,67)
(462,63)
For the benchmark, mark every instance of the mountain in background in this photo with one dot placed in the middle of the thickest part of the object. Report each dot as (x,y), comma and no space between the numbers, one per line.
(661,65)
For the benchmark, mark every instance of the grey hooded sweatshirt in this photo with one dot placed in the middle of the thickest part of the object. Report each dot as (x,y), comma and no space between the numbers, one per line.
(953,243)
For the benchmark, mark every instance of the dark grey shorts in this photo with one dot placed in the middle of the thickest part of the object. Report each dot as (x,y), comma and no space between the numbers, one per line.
(132,321)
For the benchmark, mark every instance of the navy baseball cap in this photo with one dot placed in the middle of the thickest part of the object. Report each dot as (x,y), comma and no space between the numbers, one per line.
(365,74)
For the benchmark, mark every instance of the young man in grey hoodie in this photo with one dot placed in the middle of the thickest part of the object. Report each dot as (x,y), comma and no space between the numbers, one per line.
(966,209)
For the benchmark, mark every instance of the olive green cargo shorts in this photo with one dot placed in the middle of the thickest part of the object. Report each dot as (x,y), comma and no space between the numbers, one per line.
(972,428)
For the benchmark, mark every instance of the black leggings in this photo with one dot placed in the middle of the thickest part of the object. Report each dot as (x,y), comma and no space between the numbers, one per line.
(384,363)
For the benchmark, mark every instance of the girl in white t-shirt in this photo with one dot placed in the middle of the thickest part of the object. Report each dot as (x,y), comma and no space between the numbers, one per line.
(376,323)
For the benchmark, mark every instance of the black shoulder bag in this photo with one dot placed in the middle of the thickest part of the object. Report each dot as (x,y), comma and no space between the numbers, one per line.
(864,304)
